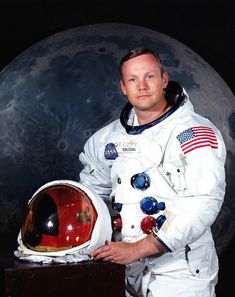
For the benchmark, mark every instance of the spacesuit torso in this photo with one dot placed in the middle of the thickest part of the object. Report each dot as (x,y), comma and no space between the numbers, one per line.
(167,175)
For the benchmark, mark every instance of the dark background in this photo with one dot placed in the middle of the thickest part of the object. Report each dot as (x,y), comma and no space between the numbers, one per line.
(207,27)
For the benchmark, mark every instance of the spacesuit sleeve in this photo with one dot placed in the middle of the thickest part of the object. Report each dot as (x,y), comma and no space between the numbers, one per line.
(197,181)
(95,174)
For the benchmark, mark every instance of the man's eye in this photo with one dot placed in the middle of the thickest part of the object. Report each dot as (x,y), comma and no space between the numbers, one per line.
(150,76)
(131,79)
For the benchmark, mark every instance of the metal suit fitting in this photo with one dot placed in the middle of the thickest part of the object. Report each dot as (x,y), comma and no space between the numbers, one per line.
(160,221)
(117,206)
(147,224)
(117,222)
(149,205)
(140,181)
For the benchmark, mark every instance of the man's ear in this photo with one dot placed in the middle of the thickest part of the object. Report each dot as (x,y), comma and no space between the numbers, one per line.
(165,79)
(122,86)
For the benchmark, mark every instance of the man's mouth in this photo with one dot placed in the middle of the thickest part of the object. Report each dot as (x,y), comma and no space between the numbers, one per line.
(143,96)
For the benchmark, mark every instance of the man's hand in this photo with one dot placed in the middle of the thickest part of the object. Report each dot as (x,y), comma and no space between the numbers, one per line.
(125,253)
(118,252)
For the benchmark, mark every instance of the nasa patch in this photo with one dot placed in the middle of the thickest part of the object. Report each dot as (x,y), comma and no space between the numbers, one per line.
(110,152)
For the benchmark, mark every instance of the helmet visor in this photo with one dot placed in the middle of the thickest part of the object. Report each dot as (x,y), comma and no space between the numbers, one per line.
(59,218)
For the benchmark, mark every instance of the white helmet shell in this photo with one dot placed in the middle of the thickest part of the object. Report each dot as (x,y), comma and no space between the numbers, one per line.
(98,222)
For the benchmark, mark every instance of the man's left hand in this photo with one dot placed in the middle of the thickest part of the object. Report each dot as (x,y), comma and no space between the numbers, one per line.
(125,253)
(117,252)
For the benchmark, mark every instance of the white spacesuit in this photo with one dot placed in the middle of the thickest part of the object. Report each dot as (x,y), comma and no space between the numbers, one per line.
(166,177)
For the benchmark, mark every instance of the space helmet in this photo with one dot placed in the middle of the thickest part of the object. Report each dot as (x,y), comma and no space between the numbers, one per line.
(63,218)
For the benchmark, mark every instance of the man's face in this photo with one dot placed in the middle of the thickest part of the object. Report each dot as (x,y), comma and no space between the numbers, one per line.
(143,83)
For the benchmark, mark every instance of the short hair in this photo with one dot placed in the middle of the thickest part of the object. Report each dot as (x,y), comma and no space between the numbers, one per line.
(138,51)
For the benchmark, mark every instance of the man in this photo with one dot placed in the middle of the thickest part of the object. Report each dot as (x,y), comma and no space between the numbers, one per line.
(162,166)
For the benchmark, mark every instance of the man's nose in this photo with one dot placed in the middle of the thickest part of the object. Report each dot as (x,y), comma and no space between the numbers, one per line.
(143,85)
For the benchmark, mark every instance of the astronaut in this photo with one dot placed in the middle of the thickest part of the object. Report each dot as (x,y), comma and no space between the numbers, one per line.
(65,221)
(160,168)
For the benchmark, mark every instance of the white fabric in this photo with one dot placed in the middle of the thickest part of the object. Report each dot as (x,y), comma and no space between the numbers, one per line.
(68,258)
(192,186)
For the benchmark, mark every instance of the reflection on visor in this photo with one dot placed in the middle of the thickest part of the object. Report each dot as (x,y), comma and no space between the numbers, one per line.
(44,222)
(59,218)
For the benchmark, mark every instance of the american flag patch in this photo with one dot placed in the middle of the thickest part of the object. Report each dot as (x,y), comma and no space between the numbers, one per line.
(197,137)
